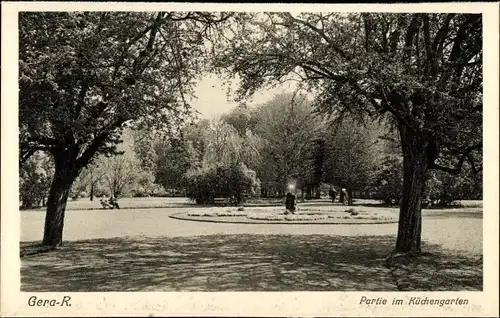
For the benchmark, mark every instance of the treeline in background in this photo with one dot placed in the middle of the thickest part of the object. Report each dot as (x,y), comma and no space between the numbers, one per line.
(253,152)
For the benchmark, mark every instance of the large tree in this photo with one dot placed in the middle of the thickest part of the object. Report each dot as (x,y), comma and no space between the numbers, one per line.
(89,180)
(121,173)
(423,70)
(352,156)
(85,75)
(288,129)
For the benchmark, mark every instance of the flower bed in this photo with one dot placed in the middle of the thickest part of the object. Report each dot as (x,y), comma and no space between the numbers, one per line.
(196,213)
(231,213)
(364,215)
(286,217)
(215,214)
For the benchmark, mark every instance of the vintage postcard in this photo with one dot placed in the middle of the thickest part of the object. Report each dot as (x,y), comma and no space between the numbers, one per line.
(183,159)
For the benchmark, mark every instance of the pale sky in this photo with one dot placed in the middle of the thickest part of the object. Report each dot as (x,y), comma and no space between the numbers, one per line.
(213,101)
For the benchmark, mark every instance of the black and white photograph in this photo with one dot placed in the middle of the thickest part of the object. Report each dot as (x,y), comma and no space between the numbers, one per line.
(253,150)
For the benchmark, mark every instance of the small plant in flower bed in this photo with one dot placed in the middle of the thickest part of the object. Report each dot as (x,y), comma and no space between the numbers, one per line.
(363,215)
(267,217)
(222,213)
(311,212)
(287,217)
(353,212)
(295,217)
(201,214)
(231,213)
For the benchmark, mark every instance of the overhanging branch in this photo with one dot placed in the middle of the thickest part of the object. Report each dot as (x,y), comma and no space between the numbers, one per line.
(467,154)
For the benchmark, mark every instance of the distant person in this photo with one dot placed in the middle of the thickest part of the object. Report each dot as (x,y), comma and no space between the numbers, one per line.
(332,194)
(114,203)
(104,203)
(290,202)
(344,197)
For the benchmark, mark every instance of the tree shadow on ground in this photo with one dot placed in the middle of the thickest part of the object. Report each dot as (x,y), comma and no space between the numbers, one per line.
(234,263)
(438,271)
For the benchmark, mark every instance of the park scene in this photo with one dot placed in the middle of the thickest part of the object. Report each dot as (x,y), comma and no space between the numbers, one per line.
(250,151)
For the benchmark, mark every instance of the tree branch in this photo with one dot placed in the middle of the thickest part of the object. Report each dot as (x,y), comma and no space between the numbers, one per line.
(321,34)
(24,155)
(467,154)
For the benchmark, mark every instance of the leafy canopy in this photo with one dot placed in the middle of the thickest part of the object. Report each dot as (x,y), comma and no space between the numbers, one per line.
(86,75)
(424,70)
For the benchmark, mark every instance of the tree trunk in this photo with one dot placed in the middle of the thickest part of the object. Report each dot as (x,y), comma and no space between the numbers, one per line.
(341,198)
(64,176)
(317,194)
(91,191)
(308,192)
(415,165)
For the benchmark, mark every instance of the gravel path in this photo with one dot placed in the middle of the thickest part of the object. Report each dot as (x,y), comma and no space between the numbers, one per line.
(455,231)
(157,253)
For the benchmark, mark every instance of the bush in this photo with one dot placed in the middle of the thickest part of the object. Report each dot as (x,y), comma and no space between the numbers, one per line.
(35,179)
(444,188)
(441,188)
(235,182)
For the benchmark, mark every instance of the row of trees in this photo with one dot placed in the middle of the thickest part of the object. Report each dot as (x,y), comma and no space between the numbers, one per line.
(85,76)
(285,141)
(116,176)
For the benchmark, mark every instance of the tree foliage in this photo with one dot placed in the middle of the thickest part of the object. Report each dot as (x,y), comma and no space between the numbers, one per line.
(34,180)
(233,181)
(352,155)
(288,129)
(423,69)
(84,75)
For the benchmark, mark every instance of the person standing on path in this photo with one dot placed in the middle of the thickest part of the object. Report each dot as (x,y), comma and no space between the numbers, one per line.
(290,203)
(332,194)
(344,197)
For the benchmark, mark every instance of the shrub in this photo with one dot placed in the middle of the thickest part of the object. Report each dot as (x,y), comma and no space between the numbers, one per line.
(235,182)
(444,188)
(441,187)
(35,179)
(200,185)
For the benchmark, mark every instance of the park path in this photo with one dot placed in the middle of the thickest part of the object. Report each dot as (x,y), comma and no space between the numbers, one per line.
(146,250)
(455,233)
